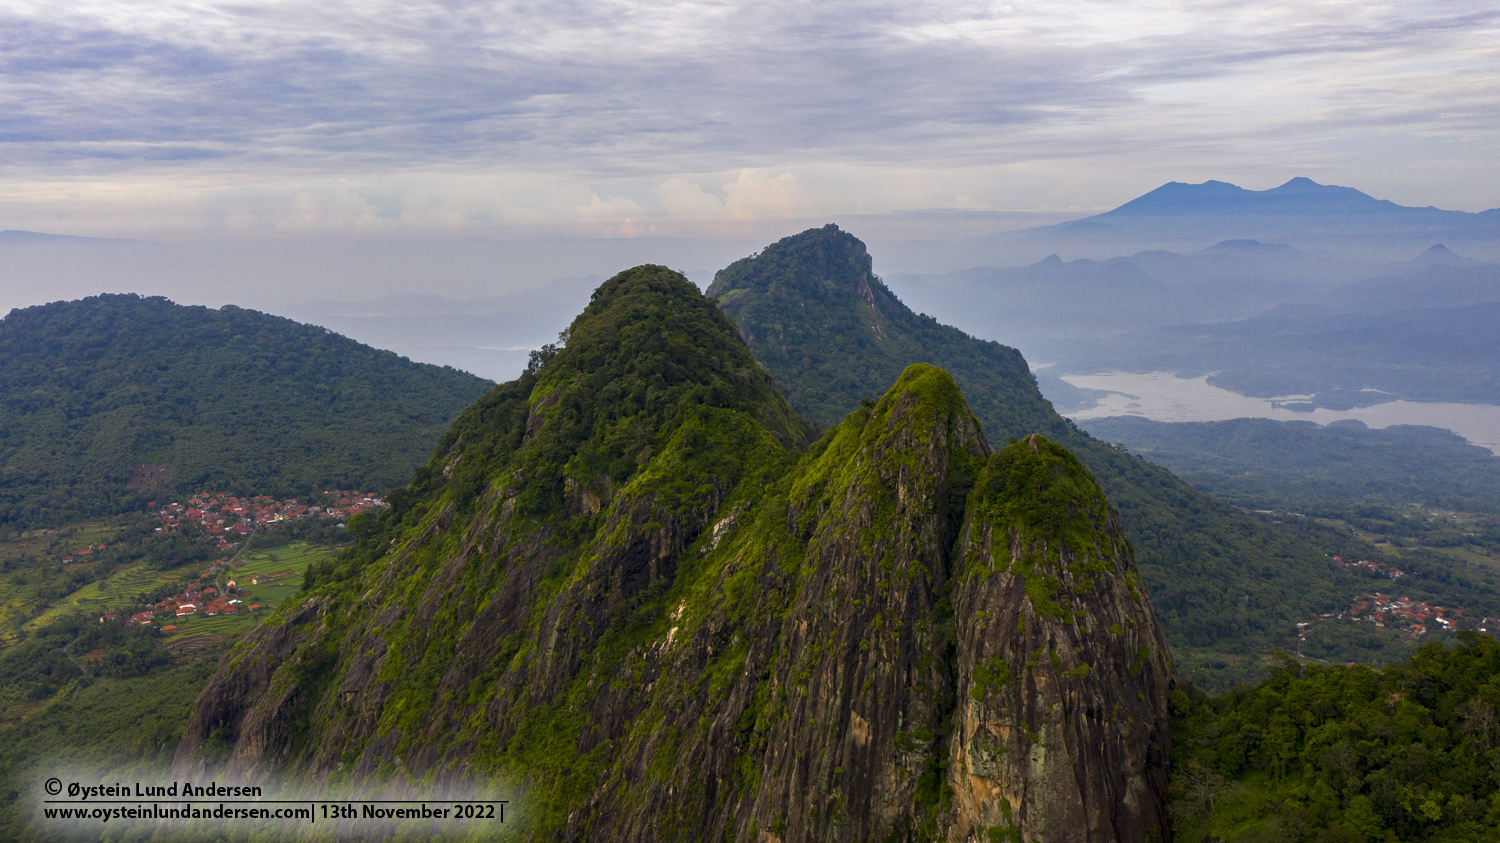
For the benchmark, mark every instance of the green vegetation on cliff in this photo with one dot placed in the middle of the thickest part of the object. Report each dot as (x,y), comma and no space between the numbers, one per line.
(628,589)
(1052,620)
(1350,754)
(1227,584)
(94,394)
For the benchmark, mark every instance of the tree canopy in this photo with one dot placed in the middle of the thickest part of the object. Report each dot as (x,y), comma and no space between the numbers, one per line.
(116,399)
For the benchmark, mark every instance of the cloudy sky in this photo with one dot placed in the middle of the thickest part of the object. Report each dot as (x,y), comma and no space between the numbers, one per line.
(185,119)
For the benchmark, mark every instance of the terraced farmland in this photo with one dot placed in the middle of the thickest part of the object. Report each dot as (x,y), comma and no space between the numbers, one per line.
(31,567)
(121,591)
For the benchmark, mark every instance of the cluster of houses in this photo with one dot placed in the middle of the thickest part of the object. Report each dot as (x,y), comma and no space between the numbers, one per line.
(1367,567)
(343,504)
(222,515)
(219,515)
(1410,616)
(1402,613)
(205,600)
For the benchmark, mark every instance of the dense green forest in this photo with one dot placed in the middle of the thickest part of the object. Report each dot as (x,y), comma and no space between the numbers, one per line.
(1227,584)
(49,660)
(94,394)
(1410,752)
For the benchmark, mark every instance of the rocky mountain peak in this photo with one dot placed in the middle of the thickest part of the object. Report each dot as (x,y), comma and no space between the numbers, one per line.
(826,265)
(1061,725)
(626,593)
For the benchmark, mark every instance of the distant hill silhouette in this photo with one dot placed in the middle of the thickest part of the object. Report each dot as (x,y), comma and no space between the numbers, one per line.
(11,237)
(1298,196)
(1341,221)
(1440,255)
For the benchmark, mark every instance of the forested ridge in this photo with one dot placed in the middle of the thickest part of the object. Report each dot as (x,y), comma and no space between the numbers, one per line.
(228,399)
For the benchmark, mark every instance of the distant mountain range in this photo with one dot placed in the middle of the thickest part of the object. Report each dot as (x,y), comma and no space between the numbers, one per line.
(1270,319)
(13,237)
(1429,334)
(1082,294)
(1340,207)
(1342,221)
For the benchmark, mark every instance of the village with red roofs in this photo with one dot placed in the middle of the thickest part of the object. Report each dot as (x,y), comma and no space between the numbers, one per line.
(1407,615)
(230,519)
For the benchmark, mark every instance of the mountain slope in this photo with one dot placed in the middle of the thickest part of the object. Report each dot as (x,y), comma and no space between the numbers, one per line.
(831,332)
(628,590)
(227,399)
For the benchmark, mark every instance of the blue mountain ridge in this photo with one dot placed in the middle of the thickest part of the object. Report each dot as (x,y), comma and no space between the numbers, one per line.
(1298,196)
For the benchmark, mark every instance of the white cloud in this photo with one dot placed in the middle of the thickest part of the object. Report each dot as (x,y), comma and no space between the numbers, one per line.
(613,209)
(616,216)
(752,197)
(427,211)
(288,97)
(684,200)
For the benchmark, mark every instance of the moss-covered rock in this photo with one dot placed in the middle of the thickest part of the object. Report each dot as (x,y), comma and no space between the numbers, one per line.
(1062,728)
(627,588)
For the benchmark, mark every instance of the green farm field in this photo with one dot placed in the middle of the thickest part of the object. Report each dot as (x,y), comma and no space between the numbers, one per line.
(293,558)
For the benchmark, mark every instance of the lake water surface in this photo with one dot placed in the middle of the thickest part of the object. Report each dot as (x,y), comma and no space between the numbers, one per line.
(1161,396)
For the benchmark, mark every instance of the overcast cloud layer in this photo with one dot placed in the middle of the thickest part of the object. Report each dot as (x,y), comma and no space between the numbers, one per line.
(177,118)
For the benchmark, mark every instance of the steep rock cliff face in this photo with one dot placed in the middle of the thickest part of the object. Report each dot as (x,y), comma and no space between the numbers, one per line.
(627,588)
(1060,731)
